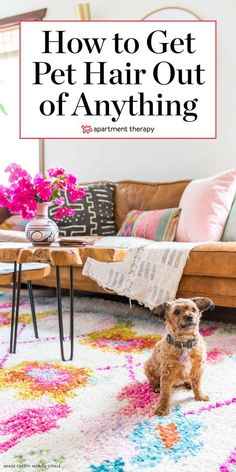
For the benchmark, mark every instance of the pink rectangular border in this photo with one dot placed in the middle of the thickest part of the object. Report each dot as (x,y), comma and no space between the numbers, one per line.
(121,21)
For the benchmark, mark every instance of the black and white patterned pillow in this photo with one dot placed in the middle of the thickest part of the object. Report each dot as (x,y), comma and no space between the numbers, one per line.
(94,214)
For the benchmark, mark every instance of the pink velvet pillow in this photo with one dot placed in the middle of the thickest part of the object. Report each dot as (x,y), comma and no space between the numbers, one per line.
(205,206)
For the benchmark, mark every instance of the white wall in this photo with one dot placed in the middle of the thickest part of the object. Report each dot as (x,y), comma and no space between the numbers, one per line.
(142,159)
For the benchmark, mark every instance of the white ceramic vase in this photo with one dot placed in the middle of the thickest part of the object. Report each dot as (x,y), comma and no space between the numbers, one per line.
(41,231)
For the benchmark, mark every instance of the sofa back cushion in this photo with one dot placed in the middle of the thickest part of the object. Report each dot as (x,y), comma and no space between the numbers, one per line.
(205,206)
(132,195)
(94,214)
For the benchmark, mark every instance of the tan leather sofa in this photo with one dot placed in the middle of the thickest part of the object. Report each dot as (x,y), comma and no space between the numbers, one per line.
(211,268)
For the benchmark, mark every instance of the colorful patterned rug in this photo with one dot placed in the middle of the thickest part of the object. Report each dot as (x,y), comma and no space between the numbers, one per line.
(95,414)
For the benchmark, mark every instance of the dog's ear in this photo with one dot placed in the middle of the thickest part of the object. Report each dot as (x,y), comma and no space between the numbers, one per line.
(161,310)
(203,303)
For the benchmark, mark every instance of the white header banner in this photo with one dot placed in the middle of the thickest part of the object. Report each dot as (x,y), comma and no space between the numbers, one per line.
(118,79)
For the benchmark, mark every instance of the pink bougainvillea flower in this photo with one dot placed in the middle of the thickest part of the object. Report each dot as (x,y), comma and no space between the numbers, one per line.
(71,179)
(16,172)
(3,196)
(63,212)
(55,172)
(76,194)
(59,214)
(82,192)
(60,201)
(23,193)
(59,184)
(44,192)
(38,179)
(27,214)
(43,188)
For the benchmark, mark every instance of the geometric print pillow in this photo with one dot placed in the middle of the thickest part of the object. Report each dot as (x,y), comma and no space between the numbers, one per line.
(94,214)
(157,225)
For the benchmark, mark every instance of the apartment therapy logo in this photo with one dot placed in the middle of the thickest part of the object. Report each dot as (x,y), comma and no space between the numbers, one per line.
(118,79)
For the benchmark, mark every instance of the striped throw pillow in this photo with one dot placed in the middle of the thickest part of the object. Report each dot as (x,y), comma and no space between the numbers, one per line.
(158,225)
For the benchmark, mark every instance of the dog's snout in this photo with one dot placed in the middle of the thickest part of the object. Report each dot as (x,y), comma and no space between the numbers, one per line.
(188,317)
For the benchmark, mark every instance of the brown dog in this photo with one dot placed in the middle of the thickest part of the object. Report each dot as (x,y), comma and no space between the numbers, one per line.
(178,359)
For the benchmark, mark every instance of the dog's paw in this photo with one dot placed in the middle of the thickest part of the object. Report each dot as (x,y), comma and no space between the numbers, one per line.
(162,411)
(202,398)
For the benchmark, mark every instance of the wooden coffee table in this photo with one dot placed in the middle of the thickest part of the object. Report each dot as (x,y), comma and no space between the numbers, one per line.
(57,256)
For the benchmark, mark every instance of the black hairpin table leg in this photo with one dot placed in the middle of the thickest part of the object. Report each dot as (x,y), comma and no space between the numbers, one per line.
(60,314)
(13,306)
(17,308)
(32,306)
(72,311)
(59,303)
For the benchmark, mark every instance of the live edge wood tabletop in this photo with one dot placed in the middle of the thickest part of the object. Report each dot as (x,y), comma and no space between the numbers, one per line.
(58,256)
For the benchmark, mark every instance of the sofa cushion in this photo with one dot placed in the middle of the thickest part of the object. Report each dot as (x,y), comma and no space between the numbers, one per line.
(131,195)
(229,233)
(215,259)
(205,205)
(157,225)
(94,214)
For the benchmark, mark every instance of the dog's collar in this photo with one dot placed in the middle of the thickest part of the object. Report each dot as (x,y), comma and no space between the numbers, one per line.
(182,344)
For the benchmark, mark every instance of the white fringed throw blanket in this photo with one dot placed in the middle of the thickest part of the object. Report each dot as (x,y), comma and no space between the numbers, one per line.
(150,274)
